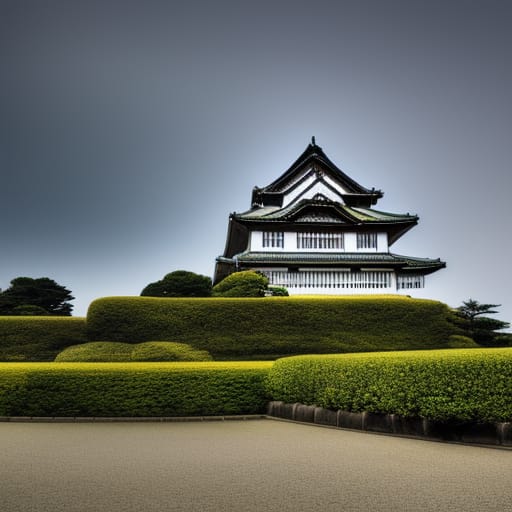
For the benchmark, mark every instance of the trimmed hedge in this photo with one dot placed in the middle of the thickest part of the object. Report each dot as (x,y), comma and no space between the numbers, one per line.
(38,338)
(132,389)
(114,351)
(446,385)
(266,328)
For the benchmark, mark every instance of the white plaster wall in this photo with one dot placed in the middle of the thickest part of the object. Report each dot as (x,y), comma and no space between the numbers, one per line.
(382,242)
(290,242)
(256,241)
(350,242)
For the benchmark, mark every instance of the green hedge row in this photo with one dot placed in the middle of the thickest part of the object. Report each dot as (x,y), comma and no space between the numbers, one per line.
(132,389)
(40,338)
(272,327)
(447,385)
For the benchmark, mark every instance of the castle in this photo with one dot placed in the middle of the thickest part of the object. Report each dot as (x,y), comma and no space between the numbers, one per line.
(314,231)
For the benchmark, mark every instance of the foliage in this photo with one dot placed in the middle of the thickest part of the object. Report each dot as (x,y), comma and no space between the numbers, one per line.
(38,338)
(28,310)
(446,385)
(242,328)
(132,389)
(470,309)
(96,352)
(42,292)
(180,283)
(168,351)
(247,283)
(111,351)
(503,340)
(278,291)
(458,341)
(481,328)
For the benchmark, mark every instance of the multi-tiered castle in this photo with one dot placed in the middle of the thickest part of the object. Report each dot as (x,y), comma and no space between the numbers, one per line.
(313,231)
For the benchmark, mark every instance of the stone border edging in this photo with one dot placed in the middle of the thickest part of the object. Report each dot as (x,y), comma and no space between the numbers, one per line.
(140,419)
(498,434)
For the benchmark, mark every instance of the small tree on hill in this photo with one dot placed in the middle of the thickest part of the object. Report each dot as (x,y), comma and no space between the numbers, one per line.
(479,327)
(247,283)
(180,283)
(41,296)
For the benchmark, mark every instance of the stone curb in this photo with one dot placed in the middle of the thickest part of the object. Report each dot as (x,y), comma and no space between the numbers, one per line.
(145,419)
(497,434)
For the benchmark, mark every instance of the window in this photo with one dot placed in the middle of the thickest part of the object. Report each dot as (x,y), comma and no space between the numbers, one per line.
(367,240)
(319,240)
(410,281)
(273,239)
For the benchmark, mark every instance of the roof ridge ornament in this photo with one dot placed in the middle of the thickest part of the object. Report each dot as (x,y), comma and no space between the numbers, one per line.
(313,141)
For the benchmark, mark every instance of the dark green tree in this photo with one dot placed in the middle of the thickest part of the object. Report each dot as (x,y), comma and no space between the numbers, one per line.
(247,283)
(479,327)
(40,296)
(180,283)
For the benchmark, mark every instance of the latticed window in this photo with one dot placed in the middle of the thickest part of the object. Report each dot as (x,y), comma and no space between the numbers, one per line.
(319,240)
(412,281)
(367,240)
(273,239)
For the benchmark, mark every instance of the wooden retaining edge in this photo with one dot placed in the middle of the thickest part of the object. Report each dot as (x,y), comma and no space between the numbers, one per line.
(497,434)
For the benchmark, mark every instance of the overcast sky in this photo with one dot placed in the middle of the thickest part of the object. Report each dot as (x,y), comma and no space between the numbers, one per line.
(130,130)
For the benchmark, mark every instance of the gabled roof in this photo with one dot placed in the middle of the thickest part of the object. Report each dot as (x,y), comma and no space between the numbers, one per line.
(313,161)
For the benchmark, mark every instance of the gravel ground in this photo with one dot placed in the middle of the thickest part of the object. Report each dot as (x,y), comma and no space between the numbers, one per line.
(256,465)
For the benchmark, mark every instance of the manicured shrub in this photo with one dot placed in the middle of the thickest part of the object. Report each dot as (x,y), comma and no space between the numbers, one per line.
(33,338)
(132,389)
(271,327)
(116,352)
(459,341)
(447,385)
(242,284)
(167,351)
(97,351)
(278,291)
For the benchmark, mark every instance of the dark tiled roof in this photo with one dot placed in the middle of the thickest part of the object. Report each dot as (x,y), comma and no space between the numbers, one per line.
(347,213)
(349,258)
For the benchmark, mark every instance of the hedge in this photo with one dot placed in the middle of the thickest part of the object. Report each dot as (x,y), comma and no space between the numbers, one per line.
(114,351)
(38,338)
(267,328)
(132,389)
(446,385)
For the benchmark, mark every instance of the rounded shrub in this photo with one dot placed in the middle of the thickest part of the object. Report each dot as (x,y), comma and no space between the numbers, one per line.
(117,352)
(168,351)
(458,341)
(278,291)
(96,352)
(242,284)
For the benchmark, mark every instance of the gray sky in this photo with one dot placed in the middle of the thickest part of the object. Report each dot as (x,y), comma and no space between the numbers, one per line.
(130,130)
